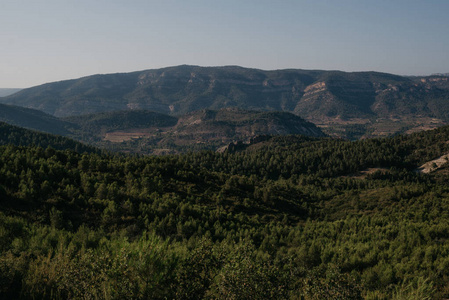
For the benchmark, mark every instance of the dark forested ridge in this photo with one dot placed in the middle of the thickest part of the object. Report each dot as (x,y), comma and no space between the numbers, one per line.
(19,136)
(376,104)
(121,120)
(287,217)
(32,119)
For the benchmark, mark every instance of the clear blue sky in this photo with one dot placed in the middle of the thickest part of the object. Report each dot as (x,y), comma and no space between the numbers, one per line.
(52,40)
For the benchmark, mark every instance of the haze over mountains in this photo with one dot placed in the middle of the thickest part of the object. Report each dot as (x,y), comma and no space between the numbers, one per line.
(6,92)
(349,105)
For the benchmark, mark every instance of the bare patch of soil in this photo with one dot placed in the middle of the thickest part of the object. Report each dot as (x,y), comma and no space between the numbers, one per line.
(130,134)
(433,165)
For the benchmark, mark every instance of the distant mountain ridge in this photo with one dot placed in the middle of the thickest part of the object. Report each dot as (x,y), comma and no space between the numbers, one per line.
(7,91)
(323,97)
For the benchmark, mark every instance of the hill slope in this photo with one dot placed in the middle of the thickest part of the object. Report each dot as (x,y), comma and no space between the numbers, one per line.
(238,124)
(288,217)
(94,127)
(366,99)
(32,119)
(18,136)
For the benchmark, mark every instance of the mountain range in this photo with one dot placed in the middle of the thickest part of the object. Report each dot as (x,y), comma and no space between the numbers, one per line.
(348,105)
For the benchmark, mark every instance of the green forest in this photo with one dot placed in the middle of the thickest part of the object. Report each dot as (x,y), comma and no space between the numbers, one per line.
(290,217)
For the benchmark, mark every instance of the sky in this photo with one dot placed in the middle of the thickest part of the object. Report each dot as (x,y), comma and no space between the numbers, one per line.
(53,40)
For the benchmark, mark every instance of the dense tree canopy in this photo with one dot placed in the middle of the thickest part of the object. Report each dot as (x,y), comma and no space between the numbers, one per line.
(288,217)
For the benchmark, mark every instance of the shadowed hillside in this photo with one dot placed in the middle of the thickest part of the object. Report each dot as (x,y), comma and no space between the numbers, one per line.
(32,119)
(18,136)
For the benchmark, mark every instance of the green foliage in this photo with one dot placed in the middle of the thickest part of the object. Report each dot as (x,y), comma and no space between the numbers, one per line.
(331,284)
(246,276)
(23,137)
(419,288)
(287,218)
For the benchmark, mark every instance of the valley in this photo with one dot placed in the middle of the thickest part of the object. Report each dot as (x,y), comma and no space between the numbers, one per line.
(148,132)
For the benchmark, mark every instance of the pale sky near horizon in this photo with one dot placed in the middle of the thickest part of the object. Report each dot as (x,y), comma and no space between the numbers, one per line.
(52,40)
